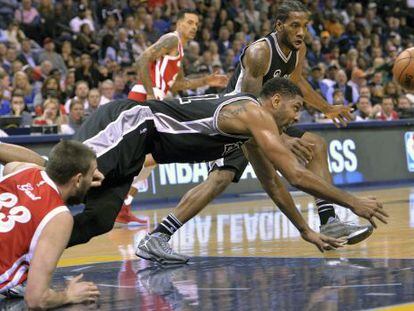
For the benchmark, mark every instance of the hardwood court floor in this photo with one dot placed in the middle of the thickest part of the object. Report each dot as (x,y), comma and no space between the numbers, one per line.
(248,257)
(258,228)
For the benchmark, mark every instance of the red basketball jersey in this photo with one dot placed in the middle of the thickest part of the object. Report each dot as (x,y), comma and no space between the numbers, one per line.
(163,73)
(29,199)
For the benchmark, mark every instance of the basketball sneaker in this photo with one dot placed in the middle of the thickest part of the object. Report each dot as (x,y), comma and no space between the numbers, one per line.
(352,232)
(126,217)
(155,247)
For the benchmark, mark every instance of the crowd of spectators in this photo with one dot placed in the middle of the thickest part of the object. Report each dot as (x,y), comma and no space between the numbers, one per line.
(61,59)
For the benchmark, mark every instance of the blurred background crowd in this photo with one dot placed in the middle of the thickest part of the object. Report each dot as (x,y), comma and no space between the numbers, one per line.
(61,59)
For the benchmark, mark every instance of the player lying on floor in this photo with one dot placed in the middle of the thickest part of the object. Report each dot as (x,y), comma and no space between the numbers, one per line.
(35,224)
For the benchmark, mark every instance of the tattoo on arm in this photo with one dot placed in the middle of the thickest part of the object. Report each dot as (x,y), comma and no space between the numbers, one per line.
(232,111)
(160,48)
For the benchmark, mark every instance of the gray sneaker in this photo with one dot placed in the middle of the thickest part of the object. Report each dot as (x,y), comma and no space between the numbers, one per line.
(155,247)
(352,232)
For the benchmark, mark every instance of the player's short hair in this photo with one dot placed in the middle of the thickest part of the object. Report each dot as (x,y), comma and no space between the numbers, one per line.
(282,86)
(181,13)
(67,159)
(287,7)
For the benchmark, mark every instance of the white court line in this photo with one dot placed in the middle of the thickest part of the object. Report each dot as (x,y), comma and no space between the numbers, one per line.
(81,268)
(380,294)
(224,288)
(364,285)
(200,288)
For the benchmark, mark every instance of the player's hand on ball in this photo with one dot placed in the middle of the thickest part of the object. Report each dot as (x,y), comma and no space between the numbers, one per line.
(78,292)
(370,208)
(97,179)
(322,242)
(339,114)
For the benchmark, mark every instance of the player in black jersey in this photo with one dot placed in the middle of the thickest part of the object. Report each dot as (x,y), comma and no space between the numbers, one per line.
(281,53)
(196,129)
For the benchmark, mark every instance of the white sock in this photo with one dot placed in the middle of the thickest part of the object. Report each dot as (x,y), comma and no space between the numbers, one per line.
(128,200)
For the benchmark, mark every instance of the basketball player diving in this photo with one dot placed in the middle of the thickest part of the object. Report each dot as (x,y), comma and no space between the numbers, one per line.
(281,53)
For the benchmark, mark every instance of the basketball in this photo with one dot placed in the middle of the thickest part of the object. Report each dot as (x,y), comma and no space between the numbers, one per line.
(403,70)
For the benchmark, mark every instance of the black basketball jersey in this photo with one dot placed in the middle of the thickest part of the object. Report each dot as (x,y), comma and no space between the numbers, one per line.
(187,130)
(279,65)
(119,132)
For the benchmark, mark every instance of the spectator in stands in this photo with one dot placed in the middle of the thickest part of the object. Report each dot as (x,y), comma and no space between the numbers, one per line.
(14,35)
(130,27)
(108,91)
(68,88)
(364,110)
(358,79)
(314,54)
(50,89)
(29,18)
(52,116)
(109,50)
(7,9)
(80,19)
(151,33)
(21,82)
(19,109)
(387,112)
(365,91)
(404,108)
(5,88)
(11,56)
(87,71)
(125,54)
(94,98)
(341,83)
(315,80)
(223,41)
(110,28)
(27,56)
(85,41)
(47,19)
(139,45)
(308,114)
(67,54)
(391,90)
(50,55)
(81,93)
(120,90)
(76,114)
(338,97)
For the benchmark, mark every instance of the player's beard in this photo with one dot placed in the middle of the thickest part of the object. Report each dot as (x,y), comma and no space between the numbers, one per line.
(79,196)
(285,41)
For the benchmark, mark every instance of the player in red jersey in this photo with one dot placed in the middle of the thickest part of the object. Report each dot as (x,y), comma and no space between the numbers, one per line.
(159,69)
(35,224)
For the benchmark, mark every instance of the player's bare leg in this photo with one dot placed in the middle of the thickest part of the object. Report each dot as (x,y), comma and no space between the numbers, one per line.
(330,223)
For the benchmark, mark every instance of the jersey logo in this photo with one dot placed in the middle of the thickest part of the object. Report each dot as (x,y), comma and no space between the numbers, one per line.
(15,214)
(277,73)
(27,189)
(229,148)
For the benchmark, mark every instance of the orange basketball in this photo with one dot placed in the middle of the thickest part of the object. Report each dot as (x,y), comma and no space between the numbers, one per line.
(403,70)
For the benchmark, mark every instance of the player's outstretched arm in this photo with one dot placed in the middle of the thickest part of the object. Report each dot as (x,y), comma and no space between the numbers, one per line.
(213,80)
(277,191)
(52,242)
(14,153)
(339,114)
(265,132)
(163,46)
